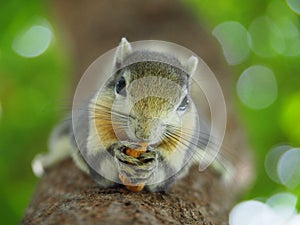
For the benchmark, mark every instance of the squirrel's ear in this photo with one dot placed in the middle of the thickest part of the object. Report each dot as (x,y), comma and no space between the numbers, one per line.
(191,65)
(123,50)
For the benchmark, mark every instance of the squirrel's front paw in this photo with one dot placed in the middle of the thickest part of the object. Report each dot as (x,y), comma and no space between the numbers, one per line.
(138,169)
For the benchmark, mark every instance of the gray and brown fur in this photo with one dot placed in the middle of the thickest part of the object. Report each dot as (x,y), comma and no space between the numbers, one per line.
(174,139)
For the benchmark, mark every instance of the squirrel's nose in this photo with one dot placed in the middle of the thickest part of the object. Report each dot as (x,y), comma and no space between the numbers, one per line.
(142,135)
(149,130)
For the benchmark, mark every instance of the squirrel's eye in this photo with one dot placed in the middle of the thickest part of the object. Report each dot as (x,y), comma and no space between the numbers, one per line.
(120,86)
(184,104)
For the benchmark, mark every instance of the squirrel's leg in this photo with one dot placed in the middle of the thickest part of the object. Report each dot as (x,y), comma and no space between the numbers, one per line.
(59,149)
(138,170)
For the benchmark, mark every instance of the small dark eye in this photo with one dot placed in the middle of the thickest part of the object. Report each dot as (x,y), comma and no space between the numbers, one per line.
(120,86)
(184,104)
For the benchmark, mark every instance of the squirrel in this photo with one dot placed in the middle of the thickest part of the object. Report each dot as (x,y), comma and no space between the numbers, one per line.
(146,100)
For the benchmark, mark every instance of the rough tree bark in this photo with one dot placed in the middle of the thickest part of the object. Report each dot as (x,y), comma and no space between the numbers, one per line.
(67,196)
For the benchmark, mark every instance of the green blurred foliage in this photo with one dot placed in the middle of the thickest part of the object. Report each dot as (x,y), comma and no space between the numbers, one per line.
(280,122)
(31,91)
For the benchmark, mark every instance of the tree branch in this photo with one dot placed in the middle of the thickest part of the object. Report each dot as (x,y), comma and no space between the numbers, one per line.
(65,195)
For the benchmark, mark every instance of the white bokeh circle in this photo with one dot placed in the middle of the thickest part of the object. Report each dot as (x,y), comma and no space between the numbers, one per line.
(272,159)
(289,168)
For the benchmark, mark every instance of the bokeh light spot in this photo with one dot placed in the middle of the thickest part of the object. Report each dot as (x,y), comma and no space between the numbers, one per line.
(257,87)
(234,39)
(278,210)
(291,36)
(267,39)
(32,42)
(288,28)
(272,160)
(294,221)
(289,168)
(287,22)
(293,46)
(283,204)
(294,5)
(251,213)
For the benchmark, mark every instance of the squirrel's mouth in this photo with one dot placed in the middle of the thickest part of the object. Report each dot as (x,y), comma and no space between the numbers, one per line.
(150,130)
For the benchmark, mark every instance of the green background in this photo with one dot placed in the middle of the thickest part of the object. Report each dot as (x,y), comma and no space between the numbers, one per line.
(31,91)
(34,94)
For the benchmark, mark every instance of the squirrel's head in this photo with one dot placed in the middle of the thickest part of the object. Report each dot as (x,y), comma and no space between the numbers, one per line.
(153,90)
